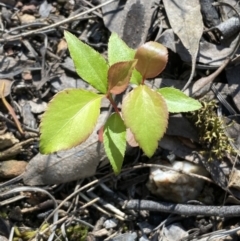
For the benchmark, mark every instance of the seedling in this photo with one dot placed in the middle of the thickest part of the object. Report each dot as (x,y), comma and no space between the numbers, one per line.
(73,113)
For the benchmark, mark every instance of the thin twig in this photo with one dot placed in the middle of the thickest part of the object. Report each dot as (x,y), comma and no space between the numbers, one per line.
(36,31)
(183,209)
(199,84)
(107,205)
(36,189)
(10,109)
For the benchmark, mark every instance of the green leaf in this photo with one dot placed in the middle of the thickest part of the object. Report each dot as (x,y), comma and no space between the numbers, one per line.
(69,119)
(89,64)
(177,101)
(145,113)
(114,139)
(152,59)
(136,77)
(119,75)
(118,51)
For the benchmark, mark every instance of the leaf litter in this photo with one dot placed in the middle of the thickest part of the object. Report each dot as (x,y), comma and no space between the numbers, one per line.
(200,49)
(186,21)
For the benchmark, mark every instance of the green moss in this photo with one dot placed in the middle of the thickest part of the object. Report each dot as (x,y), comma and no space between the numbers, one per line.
(74,233)
(78,232)
(211,130)
(3,214)
(26,233)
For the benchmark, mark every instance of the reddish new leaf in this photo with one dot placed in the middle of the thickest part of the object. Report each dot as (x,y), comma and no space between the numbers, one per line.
(152,59)
(119,75)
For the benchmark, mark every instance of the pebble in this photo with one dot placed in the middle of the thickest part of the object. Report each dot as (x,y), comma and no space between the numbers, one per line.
(125,237)
(2,238)
(27,18)
(235,180)
(146,227)
(12,168)
(7,140)
(175,186)
(174,232)
(110,223)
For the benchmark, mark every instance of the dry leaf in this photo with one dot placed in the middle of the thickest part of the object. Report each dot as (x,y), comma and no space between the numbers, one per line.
(130,21)
(209,53)
(7,88)
(62,46)
(186,21)
(66,166)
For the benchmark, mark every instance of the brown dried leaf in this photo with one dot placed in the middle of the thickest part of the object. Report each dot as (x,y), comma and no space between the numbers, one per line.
(209,53)
(65,166)
(62,46)
(186,21)
(7,88)
(130,20)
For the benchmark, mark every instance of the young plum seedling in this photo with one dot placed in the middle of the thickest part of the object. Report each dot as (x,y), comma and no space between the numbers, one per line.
(144,111)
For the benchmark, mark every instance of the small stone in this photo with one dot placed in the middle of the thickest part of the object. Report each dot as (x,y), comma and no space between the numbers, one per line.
(7,140)
(235,179)
(146,227)
(144,238)
(27,18)
(110,223)
(100,233)
(174,232)
(2,238)
(27,75)
(12,168)
(176,186)
(125,237)
(38,106)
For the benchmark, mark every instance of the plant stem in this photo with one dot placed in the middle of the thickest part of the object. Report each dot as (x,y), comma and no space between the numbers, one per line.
(113,103)
(10,109)
(143,79)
